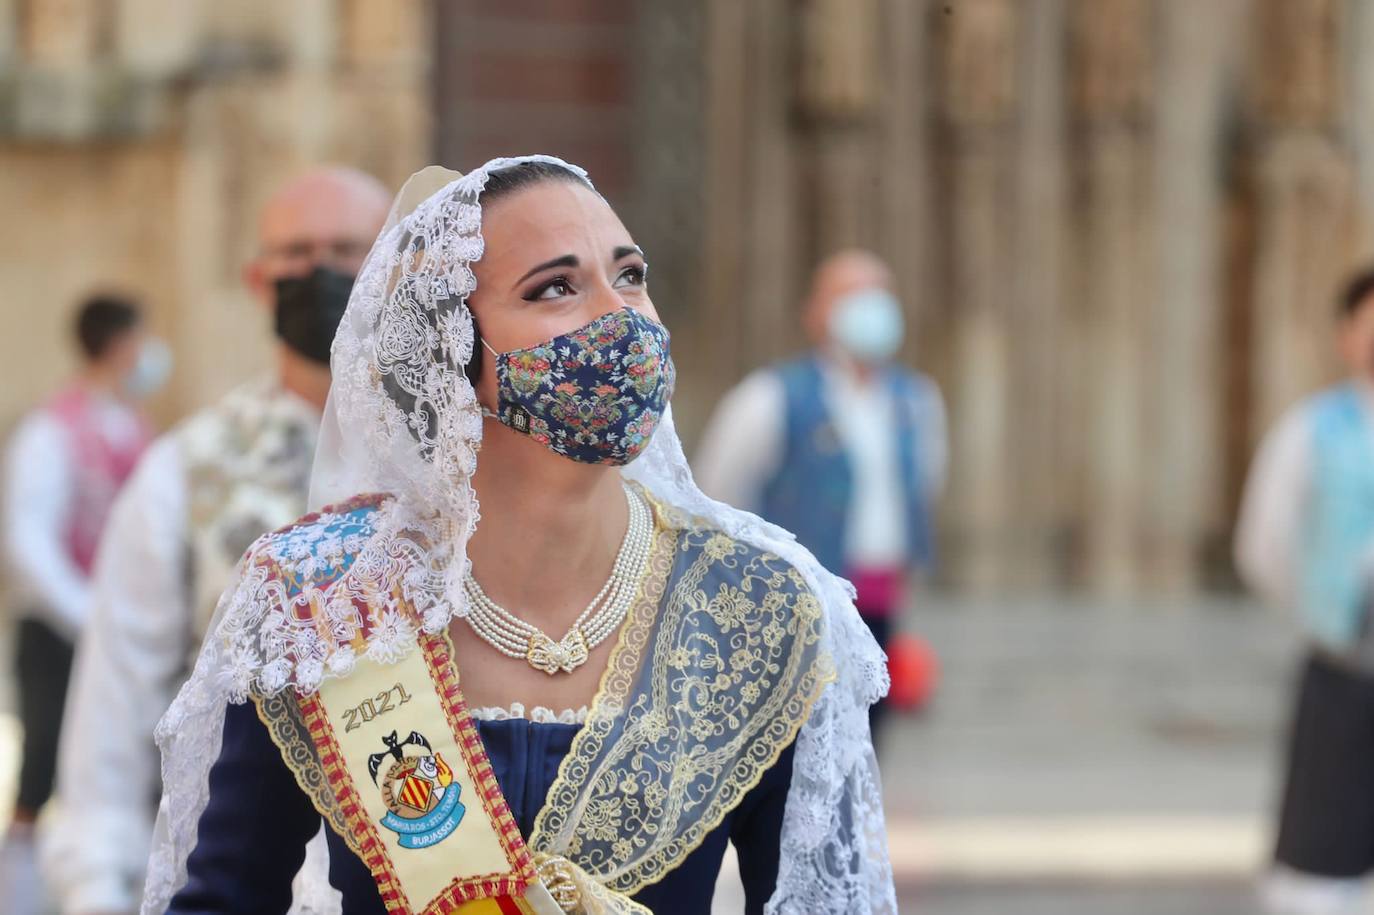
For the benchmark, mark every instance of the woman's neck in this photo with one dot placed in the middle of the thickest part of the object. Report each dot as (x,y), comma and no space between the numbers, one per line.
(550,528)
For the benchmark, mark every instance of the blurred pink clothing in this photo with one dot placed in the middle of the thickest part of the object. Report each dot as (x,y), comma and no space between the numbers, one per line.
(881,591)
(65,463)
(103,453)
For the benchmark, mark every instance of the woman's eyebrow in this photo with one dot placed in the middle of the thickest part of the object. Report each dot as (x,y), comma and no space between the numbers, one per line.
(567,260)
(627,250)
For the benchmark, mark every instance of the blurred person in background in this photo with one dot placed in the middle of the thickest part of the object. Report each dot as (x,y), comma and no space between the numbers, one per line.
(1305,539)
(202,494)
(67,460)
(842,446)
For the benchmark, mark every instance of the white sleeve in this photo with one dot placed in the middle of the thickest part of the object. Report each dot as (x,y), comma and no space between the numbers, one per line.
(934,444)
(127,663)
(743,442)
(37,505)
(1271,511)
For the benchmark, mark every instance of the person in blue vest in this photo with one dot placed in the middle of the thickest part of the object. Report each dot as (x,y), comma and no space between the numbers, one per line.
(1305,540)
(843,446)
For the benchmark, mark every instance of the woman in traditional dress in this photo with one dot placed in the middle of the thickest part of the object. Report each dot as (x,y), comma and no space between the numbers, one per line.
(571,706)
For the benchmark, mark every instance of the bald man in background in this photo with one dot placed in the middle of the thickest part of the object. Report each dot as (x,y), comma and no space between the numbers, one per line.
(198,499)
(842,446)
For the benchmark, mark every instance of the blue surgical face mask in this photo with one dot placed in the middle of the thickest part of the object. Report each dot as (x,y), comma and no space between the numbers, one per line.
(151,370)
(868,325)
(594,395)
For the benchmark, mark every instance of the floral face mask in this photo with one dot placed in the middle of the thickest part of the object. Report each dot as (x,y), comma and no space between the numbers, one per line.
(594,395)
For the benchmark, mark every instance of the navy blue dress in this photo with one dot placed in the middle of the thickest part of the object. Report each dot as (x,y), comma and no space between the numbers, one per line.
(253,833)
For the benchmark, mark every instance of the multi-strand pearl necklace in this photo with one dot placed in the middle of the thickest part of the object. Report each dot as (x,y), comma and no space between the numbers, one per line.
(515,638)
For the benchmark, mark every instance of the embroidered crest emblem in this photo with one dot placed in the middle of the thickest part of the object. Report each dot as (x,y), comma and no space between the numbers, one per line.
(418,789)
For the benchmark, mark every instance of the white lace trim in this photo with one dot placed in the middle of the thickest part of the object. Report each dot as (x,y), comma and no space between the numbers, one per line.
(539,714)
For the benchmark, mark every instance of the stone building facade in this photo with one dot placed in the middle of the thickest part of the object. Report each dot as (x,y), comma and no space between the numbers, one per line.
(138,137)
(1118,225)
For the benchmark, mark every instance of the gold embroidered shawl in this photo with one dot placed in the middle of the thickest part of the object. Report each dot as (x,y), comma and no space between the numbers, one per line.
(715,671)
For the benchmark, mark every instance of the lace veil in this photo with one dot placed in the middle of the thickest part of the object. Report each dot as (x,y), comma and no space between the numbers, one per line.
(402,418)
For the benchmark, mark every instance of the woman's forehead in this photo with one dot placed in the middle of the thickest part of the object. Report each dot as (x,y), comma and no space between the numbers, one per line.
(550,219)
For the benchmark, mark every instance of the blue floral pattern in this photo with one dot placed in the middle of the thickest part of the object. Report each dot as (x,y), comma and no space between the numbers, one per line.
(320,548)
(595,395)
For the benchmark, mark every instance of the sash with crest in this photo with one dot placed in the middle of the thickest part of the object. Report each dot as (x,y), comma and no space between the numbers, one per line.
(715,670)
(423,808)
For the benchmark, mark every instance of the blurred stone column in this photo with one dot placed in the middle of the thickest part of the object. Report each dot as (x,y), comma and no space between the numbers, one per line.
(753,200)
(1113,60)
(663,205)
(902,164)
(711,346)
(1305,200)
(61,44)
(978,70)
(9,34)
(311,33)
(1034,288)
(384,121)
(155,39)
(776,273)
(839,87)
(66,34)
(1187,364)
(1358,121)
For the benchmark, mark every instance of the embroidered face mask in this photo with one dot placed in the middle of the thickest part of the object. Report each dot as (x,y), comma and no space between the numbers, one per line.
(594,395)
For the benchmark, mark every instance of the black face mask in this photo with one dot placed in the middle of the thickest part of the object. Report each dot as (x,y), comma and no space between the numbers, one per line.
(309,309)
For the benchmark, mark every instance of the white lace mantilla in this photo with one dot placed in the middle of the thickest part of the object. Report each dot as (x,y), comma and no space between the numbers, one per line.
(402,419)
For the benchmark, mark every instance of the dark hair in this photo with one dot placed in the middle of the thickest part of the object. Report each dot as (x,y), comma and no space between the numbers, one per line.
(503,183)
(508,180)
(1356,292)
(103,319)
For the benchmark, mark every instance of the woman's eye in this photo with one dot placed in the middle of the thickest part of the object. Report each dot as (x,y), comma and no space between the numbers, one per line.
(555,288)
(631,276)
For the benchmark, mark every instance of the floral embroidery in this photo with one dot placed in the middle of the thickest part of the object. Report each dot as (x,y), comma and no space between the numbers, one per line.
(528,369)
(323,572)
(312,554)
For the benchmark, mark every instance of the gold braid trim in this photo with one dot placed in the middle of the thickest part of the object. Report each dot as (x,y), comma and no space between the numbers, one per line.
(281,714)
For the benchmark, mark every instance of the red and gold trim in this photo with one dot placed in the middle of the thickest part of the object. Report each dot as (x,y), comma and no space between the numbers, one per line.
(445,677)
(373,852)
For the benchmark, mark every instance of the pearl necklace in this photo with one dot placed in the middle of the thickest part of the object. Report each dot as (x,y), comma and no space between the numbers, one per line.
(515,638)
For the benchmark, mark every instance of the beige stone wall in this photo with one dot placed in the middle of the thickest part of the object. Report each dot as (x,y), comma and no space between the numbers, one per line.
(138,138)
(77,220)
